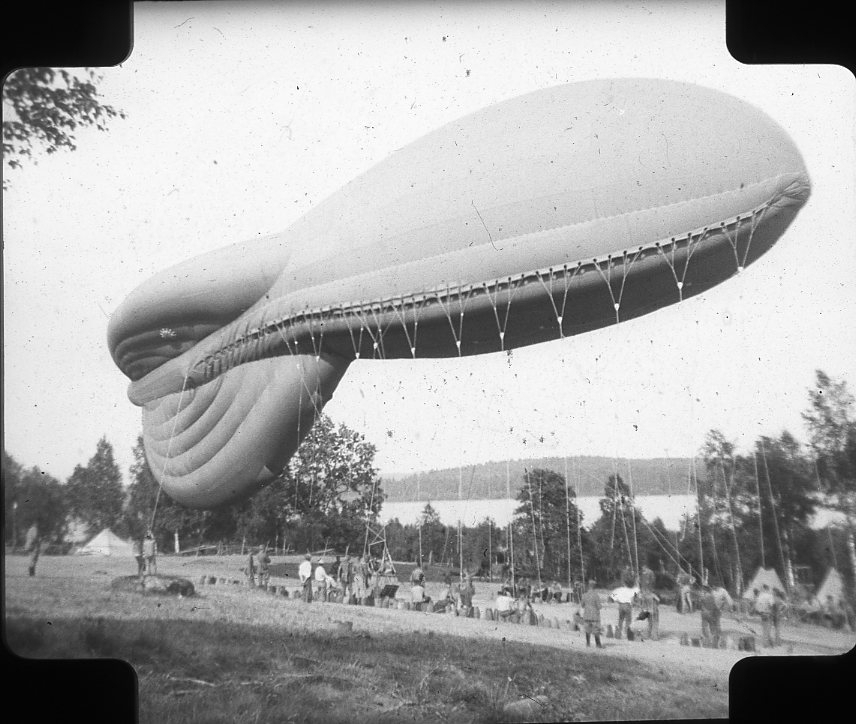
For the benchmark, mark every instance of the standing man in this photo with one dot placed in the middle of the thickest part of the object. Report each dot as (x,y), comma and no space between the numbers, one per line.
(466,593)
(684,580)
(138,555)
(251,569)
(711,615)
(360,583)
(320,581)
(346,576)
(263,561)
(591,615)
(418,575)
(35,551)
(624,597)
(650,604)
(764,608)
(150,552)
(305,574)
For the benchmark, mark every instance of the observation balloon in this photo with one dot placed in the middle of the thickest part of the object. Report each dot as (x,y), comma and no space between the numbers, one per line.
(544,216)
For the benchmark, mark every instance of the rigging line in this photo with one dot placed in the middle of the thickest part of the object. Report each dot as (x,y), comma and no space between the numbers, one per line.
(494,300)
(828,532)
(633,517)
(757,217)
(657,537)
(534,530)
(402,317)
(731,517)
(381,332)
(698,519)
(760,511)
(463,298)
(357,344)
(579,522)
(568,519)
(775,516)
(560,315)
(364,326)
(168,451)
(619,502)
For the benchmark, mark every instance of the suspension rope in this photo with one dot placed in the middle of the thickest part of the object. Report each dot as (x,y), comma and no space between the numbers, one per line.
(560,313)
(166,459)
(607,278)
(494,299)
(731,518)
(633,517)
(760,510)
(534,530)
(775,516)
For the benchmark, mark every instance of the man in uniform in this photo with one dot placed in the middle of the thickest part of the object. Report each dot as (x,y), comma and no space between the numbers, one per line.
(263,563)
(346,578)
(251,568)
(711,615)
(150,551)
(591,615)
(764,608)
(305,574)
(320,577)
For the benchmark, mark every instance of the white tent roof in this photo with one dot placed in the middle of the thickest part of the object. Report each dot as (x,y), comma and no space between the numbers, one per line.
(762,576)
(832,585)
(107,543)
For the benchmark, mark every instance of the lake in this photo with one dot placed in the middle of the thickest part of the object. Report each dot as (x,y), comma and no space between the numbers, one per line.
(669,508)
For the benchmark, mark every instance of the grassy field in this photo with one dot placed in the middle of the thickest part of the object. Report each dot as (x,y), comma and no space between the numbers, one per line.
(232,654)
(243,672)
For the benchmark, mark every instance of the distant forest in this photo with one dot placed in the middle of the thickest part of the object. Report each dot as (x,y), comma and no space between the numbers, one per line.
(586,475)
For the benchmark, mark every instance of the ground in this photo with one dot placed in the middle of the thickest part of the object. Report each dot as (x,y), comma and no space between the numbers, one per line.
(393,664)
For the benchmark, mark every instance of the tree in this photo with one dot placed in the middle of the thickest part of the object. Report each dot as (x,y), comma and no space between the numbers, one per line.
(45,107)
(95,492)
(330,490)
(831,422)
(32,497)
(615,534)
(541,524)
(12,472)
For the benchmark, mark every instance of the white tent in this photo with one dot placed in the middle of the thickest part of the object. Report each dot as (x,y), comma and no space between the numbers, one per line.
(107,543)
(762,576)
(833,585)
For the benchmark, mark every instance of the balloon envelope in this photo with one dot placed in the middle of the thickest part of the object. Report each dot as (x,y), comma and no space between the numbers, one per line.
(543,216)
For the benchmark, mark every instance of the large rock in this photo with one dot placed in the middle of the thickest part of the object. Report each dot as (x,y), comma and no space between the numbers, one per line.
(163,585)
(526,709)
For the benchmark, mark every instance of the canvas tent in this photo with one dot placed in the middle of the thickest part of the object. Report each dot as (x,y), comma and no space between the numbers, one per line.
(832,585)
(107,543)
(762,576)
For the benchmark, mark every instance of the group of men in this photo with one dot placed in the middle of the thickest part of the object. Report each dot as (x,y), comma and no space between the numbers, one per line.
(458,596)
(351,579)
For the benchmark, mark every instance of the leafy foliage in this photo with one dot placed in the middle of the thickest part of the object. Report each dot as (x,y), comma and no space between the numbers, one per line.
(45,107)
(31,497)
(95,492)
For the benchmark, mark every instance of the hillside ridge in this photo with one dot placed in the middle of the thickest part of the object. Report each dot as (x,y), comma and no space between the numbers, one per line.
(587,476)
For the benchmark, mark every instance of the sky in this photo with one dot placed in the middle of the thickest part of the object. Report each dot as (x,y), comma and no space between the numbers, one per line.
(240,117)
